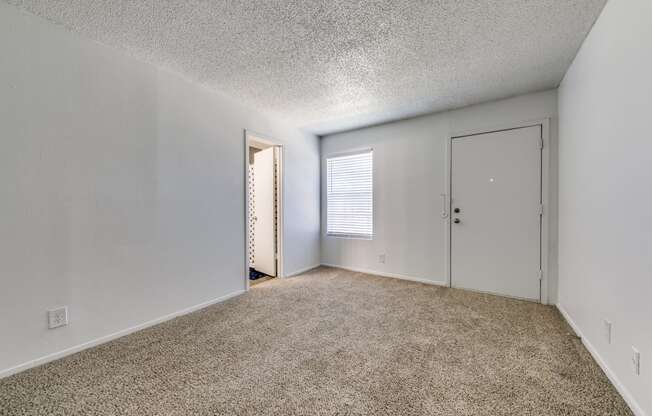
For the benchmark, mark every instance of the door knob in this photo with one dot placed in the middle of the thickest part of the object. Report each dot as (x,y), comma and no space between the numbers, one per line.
(456,221)
(456,210)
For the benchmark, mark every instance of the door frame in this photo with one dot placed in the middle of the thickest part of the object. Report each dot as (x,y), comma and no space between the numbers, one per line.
(545,195)
(252,136)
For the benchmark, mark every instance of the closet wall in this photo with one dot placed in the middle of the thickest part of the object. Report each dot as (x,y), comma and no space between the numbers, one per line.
(251,200)
(254,207)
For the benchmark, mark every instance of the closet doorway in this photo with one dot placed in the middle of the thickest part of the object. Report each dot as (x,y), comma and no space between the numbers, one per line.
(263,208)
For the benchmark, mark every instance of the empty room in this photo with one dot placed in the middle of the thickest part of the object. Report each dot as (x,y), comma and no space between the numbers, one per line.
(363,207)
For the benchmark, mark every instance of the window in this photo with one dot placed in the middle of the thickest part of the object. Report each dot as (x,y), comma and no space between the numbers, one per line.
(349,195)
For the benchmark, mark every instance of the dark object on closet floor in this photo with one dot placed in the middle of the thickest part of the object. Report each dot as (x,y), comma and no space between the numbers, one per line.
(255,274)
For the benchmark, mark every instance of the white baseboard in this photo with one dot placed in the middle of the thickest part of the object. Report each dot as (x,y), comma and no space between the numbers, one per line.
(89,344)
(385,274)
(629,399)
(305,269)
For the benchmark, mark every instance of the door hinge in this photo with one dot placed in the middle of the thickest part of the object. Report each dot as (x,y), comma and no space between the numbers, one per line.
(540,209)
(540,274)
(541,143)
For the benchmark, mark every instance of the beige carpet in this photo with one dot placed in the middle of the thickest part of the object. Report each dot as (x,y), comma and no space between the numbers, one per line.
(332,342)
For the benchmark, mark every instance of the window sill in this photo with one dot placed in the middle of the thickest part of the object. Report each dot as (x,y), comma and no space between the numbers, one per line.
(351,237)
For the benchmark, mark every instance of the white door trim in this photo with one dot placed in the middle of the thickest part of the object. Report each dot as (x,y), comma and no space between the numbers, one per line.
(251,136)
(545,193)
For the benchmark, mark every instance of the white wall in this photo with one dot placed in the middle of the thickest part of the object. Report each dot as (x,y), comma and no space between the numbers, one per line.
(409,176)
(122,190)
(605,193)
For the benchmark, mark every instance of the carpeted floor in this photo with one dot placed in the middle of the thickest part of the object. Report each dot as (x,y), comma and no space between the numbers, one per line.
(332,342)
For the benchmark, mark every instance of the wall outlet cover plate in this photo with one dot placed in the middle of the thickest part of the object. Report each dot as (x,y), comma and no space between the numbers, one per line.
(607,331)
(636,361)
(58,317)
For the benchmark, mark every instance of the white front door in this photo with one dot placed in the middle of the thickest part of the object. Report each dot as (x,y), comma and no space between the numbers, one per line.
(264,190)
(495,212)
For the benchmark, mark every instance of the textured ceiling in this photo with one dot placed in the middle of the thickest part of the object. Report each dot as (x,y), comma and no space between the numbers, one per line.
(330,65)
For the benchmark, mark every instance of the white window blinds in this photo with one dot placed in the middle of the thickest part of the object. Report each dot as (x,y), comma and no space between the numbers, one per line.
(349,199)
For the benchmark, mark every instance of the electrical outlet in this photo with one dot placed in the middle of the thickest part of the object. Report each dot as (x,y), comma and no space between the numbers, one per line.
(607,331)
(636,361)
(58,317)
(381,259)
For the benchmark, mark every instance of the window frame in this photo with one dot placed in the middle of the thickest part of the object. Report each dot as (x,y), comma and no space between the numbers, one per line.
(350,236)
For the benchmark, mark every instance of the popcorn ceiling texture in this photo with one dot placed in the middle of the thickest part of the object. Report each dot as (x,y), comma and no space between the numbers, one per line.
(330,65)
